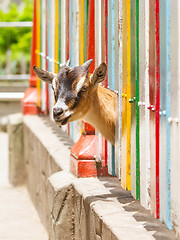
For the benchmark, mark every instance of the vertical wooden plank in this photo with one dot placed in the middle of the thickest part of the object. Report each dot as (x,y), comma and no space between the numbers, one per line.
(112,28)
(157,107)
(147,115)
(104,58)
(85,26)
(168,113)
(144,102)
(152,96)
(178,107)
(43,54)
(124,95)
(142,133)
(175,114)
(71,31)
(163,130)
(126,111)
(76,53)
(49,53)
(117,17)
(128,173)
(118,132)
(98,59)
(56,37)
(64,28)
(76,35)
(59,32)
(71,47)
(52,51)
(67,29)
(165,198)
(91,35)
(116,69)
(46,54)
(154,72)
(38,49)
(137,107)
(110,76)
(81,31)
(132,98)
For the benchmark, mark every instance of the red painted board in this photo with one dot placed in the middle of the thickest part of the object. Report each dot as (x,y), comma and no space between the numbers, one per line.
(157,105)
(91,35)
(33,44)
(154,99)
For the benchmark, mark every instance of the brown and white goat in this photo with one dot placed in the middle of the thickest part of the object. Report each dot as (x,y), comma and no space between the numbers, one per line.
(77,94)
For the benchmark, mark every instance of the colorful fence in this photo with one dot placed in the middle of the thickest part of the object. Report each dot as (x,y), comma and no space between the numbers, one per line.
(139,41)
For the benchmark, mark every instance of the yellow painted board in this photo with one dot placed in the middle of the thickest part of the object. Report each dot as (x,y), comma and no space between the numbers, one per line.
(81,31)
(56,35)
(128,170)
(126,107)
(124,100)
(38,49)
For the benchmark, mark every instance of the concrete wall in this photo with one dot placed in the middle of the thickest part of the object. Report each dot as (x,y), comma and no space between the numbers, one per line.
(71,208)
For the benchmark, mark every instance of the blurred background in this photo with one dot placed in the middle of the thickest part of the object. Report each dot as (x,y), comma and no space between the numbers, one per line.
(15,44)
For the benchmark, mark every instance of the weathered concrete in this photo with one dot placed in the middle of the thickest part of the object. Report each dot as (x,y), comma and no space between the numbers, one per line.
(3,123)
(44,154)
(16,150)
(18,217)
(79,209)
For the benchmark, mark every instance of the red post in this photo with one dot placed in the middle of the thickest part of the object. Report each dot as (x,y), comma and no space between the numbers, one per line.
(29,102)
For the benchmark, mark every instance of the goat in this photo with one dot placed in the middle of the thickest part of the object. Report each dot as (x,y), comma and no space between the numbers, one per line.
(77,95)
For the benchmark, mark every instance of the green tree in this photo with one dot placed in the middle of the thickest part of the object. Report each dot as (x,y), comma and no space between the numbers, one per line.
(17,40)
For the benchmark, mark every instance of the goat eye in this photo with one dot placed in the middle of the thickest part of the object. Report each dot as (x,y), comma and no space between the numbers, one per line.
(84,89)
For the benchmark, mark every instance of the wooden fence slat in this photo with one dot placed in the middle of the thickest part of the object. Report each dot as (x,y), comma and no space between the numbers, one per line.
(147,115)
(152,97)
(137,107)
(59,32)
(38,49)
(76,52)
(43,50)
(124,95)
(118,130)
(128,173)
(168,114)
(81,31)
(175,114)
(144,102)
(163,104)
(64,28)
(133,94)
(157,106)
(56,36)
(91,35)
(165,198)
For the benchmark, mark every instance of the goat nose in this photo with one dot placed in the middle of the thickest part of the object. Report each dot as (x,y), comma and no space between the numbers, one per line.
(57,112)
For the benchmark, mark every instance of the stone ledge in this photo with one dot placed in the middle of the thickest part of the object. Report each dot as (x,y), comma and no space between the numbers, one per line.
(87,208)
(93,214)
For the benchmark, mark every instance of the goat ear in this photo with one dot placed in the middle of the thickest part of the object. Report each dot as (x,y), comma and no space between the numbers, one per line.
(99,74)
(44,75)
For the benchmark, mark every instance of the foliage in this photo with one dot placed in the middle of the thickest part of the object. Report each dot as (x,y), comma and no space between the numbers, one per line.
(17,40)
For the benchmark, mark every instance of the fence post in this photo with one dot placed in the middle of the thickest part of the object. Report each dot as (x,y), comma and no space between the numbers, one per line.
(29,102)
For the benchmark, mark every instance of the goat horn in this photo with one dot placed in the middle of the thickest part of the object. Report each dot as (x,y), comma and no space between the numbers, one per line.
(68,62)
(87,63)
